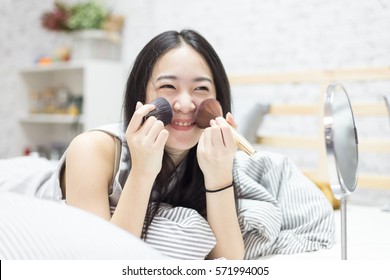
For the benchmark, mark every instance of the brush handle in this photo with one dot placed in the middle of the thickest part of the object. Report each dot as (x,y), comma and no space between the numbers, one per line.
(242,143)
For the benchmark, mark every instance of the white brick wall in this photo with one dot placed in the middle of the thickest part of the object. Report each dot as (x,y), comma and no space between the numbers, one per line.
(22,40)
(250,36)
(266,35)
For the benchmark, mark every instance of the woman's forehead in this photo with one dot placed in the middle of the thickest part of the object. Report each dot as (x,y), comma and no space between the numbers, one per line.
(181,61)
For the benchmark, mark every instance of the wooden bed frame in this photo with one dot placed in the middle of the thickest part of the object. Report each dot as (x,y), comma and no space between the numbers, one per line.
(323,79)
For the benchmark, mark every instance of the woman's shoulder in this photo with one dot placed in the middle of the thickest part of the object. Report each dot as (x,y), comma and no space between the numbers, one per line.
(92,143)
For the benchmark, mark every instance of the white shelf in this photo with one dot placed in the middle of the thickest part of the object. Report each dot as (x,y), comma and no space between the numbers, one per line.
(50,119)
(63,66)
(56,66)
(100,83)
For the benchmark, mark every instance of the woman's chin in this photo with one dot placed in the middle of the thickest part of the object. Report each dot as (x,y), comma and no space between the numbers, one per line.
(179,146)
(182,141)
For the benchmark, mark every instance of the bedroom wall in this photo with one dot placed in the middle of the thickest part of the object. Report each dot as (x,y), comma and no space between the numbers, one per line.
(22,40)
(250,36)
(272,35)
(279,36)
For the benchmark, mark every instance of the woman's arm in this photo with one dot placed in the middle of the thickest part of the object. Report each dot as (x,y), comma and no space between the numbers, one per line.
(146,142)
(216,151)
(222,217)
(89,170)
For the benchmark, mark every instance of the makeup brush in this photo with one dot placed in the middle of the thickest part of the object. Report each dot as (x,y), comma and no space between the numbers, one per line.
(162,110)
(210,109)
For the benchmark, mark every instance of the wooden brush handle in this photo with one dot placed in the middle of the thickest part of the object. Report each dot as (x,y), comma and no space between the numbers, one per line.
(242,143)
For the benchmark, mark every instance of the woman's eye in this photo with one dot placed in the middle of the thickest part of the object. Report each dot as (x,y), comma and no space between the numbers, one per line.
(167,86)
(202,89)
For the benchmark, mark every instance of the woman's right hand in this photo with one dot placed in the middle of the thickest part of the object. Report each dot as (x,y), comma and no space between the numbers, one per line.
(146,141)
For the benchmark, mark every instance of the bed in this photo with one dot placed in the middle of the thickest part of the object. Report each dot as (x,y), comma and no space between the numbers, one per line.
(37,229)
(368,226)
(368,237)
(32,228)
(35,224)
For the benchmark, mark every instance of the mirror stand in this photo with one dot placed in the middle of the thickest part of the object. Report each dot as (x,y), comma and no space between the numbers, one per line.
(343,218)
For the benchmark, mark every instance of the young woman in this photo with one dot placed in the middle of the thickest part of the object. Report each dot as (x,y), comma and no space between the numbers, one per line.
(183,68)
(167,184)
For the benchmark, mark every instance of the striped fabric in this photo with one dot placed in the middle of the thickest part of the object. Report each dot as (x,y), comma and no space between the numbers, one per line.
(180,233)
(280,212)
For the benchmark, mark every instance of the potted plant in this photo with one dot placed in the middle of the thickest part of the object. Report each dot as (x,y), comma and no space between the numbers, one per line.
(94,29)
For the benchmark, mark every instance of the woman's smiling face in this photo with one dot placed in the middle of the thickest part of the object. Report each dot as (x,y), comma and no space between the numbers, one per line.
(183,77)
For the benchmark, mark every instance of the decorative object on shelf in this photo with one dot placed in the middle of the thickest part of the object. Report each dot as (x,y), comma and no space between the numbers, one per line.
(55,101)
(80,16)
(94,29)
(61,54)
(61,100)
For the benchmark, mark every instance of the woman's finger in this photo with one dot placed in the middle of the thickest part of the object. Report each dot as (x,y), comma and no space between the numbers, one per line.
(230,120)
(207,139)
(216,135)
(226,132)
(139,115)
(138,105)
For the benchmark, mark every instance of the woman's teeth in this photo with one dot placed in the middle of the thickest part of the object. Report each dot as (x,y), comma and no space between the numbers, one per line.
(183,123)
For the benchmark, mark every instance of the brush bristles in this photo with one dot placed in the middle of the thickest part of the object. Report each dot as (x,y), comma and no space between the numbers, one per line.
(208,110)
(163,110)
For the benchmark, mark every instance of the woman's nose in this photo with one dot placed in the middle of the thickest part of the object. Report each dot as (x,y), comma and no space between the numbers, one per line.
(184,104)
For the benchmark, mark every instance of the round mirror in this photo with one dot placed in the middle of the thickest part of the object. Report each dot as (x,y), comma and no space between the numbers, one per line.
(341,141)
(342,151)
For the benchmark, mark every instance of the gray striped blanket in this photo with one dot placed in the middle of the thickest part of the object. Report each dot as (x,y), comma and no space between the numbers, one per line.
(280,212)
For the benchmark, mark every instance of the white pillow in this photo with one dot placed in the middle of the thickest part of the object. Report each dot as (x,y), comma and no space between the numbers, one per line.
(33,228)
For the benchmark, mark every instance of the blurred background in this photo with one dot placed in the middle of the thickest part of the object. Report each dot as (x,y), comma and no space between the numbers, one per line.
(56,80)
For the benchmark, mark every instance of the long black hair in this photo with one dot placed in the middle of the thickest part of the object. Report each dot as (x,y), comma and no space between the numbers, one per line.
(188,190)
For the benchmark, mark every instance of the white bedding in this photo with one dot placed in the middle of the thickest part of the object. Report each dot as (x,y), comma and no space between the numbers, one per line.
(368,237)
(37,229)
(368,234)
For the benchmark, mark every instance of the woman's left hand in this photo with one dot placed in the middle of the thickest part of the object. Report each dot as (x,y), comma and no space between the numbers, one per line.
(216,152)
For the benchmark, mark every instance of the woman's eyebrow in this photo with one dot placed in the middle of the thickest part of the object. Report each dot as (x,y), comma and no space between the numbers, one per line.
(166,77)
(201,79)
(173,77)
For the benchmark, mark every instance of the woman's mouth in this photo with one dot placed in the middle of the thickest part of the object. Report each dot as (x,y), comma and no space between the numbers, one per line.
(182,124)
